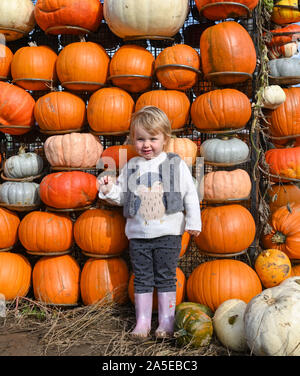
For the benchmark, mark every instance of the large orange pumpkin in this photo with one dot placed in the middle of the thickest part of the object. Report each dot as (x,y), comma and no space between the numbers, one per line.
(180,289)
(15,275)
(282,195)
(226,229)
(16,109)
(55,280)
(128,63)
(285,231)
(5,62)
(109,110)
(284,162)
(174,103)
(213,282)
(100,232)
(33,67)
(60,111)
(119,154)
(68,16)
(9,223)
(104,280)
(220,10)
(221,110)
(227,47)
(68,190)
(46,233)
(82,66)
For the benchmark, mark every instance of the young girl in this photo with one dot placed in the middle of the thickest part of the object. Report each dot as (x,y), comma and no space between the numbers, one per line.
(160,202)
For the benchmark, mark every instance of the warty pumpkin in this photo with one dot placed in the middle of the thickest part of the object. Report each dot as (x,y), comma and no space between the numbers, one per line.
(68,16)
(6,56)
(55,280)
(45,233)
(213,282)
(220,10)
(15,275)
(9,224)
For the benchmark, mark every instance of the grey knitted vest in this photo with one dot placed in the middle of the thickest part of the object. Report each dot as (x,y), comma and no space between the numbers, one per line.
(170,178)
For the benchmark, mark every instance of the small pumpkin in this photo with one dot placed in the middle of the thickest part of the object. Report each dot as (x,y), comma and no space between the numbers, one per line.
(272,96)
(199,306)
(23,165)
(20,193)
(286,50)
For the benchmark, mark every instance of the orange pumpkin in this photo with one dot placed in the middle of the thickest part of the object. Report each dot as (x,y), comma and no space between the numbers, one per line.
(119,154)
(175,104)
(109,110)
(33,67)
(285,231)
(184,147)
(221,109)
(227,47)
(5,62)
(295,272)
(60,111)
(9,223)
(82,66)
(46,233)
(16,109)
(282,195)
(177,77)
(132,61)
(272,266)
(68,16)
(226,229)
(55,280)
(220,10)
(105,281)
(67,190)
(180,289)
(284,162)
(15,275)
(213,282)
(100,232)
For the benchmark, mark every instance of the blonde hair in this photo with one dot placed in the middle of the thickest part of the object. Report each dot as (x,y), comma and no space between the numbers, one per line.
(153,120)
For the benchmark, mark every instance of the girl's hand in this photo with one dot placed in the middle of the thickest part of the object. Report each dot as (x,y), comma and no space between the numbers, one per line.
(193,232)
(105,184)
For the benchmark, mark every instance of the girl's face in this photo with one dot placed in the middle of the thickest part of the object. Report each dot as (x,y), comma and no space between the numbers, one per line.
(148,146)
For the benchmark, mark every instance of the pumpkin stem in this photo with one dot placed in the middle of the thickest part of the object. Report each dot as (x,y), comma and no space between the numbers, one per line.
(22,149)
(232,319)
(278,238)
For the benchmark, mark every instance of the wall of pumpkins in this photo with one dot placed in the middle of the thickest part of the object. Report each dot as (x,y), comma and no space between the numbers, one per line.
(70,81)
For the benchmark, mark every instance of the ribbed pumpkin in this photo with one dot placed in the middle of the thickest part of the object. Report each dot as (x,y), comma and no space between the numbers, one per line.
(221,109)
(272,266)
(53,15)
(282,195)
(284,162)
(176,77)
(184,147)
(174,103)
(56,279)
(213,282)
(180,289)
(226,229)
(33,67)
(9,223)
(60,111)
(132,61)
(115,156)
(45,233)
(82,66)
(16,18)
(23,164)
(109,110)
(67,190)
(285,12)
(5,62)
(73,150)
(20,193)
(15,275)
(101,232)
(227,47)
(222,10)
(105,281)
(16,108)
(224,185)
(285,231)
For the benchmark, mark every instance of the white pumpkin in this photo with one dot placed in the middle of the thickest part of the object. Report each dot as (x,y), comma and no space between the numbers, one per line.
(20,193)
(128,18)
(272,321)
(224,150)
(23,165)
(284,67)
(228,323)
(18,15)
(293,282)
(273,96)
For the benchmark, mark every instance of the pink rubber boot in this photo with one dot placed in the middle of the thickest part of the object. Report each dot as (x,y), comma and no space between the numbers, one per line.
(143,313)
(166,314)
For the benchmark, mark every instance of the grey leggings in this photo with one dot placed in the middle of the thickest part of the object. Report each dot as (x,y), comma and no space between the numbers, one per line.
(154,262)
